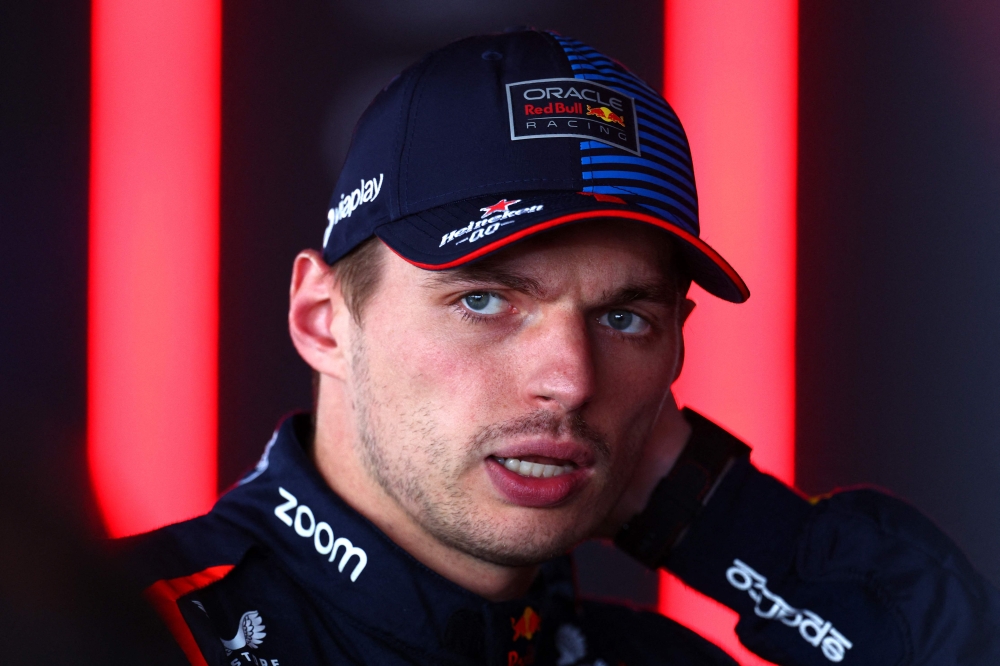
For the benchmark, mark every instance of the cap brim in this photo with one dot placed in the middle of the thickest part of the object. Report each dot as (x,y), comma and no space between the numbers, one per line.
(458,233)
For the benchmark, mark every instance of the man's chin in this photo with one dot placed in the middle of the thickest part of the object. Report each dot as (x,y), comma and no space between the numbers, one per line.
(527,545)
(518,558)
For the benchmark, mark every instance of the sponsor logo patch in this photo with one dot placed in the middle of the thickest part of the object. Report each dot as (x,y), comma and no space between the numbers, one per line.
(527,625)
(548,108)
(367,191)
(249,634)
(814,630)
(304,522)
(494,217)
(571,644)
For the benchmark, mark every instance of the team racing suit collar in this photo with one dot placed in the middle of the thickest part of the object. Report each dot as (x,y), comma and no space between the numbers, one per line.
(352,568)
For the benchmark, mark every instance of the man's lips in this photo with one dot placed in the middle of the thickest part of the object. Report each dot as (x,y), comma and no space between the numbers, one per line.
(540,473)
(548,451)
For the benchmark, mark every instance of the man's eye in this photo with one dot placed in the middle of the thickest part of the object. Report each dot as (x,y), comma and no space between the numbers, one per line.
(484,302)
(624,321)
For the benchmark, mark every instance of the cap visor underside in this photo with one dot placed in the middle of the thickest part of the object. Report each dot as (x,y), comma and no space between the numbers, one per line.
(462,232)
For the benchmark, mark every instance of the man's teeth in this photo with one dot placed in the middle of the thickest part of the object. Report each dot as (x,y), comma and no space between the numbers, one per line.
(537,470)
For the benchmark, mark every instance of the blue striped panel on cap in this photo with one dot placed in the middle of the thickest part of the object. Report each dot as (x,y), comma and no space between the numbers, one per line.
(662,179)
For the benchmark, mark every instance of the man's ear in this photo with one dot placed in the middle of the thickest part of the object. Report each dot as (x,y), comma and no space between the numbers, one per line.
(318,319)
(687,307)
(685,311)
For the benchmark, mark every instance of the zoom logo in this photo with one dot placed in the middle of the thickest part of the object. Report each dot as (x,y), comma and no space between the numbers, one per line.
(305,525)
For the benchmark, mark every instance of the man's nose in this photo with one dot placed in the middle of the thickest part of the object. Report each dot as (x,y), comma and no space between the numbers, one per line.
(560,362)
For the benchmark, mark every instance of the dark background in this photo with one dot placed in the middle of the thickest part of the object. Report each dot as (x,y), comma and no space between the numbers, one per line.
(899,204)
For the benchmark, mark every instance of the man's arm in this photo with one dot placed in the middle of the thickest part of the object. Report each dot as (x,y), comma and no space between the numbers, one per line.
(859,577)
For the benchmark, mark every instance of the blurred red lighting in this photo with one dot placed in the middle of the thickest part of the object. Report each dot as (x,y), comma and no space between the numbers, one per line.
(731,72)
(154,236)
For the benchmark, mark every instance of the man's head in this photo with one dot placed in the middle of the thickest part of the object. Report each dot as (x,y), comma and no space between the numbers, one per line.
(511,237)
(556,353)
(496,138)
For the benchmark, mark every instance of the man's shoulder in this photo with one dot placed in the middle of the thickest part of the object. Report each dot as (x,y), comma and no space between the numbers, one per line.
(221,593)
(185,549)
(646,636)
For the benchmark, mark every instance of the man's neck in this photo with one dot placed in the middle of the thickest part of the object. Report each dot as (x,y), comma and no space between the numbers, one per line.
(335,454)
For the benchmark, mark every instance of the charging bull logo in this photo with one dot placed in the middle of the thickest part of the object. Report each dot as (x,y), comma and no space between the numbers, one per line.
(526,625)
(605,114)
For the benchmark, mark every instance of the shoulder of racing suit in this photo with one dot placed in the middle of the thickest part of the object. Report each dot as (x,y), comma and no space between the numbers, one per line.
(857,577)
(182,549)
(174,562)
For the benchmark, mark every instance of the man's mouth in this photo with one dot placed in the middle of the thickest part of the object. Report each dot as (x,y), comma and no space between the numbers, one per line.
(547,476)
(538,470)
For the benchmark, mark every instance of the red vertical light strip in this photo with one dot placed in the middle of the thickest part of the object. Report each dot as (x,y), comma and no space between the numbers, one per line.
(731,72)
(154,259)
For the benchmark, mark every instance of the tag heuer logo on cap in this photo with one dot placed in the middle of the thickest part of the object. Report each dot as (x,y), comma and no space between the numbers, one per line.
(548,108)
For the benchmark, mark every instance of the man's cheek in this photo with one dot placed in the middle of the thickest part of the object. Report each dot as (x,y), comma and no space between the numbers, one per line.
(460,387)
(457,368)
(627,424)
(622,400)
(417,366)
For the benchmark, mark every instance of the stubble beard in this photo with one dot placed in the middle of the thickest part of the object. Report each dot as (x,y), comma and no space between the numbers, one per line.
(416,471)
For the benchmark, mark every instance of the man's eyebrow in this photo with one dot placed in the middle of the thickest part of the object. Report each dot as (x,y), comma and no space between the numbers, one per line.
(466,275)
(655,292)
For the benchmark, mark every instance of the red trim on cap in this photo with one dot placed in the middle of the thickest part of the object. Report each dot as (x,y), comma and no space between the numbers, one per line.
(604,198)
(163,595)
(699,244)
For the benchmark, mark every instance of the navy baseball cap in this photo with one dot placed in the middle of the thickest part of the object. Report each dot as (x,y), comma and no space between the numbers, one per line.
(495,138)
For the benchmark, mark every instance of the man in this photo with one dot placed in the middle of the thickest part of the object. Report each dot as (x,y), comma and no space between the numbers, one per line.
(495,322)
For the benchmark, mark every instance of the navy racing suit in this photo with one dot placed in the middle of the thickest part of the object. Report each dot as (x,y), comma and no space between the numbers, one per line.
(282,572)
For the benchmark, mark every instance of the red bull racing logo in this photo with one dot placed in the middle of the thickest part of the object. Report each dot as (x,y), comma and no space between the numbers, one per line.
(550,108)
(527,625)
(605,114)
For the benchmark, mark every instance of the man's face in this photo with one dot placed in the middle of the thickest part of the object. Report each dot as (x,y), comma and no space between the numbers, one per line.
(503,405)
